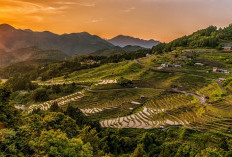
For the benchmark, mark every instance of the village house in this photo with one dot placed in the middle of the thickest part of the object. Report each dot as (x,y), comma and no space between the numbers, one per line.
(163,65)
(90,61)
(170,65)
(149,55)
(215,69)
(199,64)
(187,51)
(221,79)
(177,66)
(226,48)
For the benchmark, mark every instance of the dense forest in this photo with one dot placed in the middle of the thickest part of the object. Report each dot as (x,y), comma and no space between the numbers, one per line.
(211,37)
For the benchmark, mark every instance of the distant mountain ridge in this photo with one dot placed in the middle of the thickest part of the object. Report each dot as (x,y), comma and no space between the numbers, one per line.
(74,43)
(122,41)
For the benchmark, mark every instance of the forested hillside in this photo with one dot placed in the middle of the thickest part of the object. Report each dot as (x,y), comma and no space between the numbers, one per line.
(211,37)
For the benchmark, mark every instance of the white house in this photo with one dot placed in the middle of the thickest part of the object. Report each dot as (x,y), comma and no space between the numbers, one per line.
(199,64)
(227,48)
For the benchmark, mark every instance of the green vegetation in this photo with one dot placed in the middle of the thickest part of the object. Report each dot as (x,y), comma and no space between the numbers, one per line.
(70,133)
(210,37)
(124,105)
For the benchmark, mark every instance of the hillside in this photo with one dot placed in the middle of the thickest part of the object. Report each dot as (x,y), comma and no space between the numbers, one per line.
(30,53)
(117,50)
(123,41)
(35,53)
(153,97)
(74,43)
(6,58)
(211,37)
(133,100)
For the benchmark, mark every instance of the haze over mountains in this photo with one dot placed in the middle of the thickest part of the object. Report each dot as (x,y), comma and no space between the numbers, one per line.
(17,45)
(123,41)
(74,43)
(30,53)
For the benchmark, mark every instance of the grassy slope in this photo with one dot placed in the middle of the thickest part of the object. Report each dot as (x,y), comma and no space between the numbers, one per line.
(144,73)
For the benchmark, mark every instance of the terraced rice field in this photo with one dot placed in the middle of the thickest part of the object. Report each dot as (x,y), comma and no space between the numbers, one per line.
(174,109)
(224,104)
(212,91)
(214,123)
(154,114)
(60,101)
(127,108)
(104,82)
(105,99)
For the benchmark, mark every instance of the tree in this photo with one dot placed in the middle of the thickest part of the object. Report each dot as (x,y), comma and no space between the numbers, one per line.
(19,83)
(9,115)
(158,49)
(89,135)
(124,82)
(56,143)
(54,107)
(60,121)
(210,152)
(139,152)
(40,94)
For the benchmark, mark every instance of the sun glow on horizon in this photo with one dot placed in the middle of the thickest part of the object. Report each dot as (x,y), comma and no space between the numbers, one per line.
(162,20)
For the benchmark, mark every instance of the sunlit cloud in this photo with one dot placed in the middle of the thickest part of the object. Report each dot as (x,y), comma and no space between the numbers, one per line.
(130,9)
(96,20)
(76,3)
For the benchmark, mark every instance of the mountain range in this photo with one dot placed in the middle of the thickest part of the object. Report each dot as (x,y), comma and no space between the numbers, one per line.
(18,45)
(123,41)
(74,43)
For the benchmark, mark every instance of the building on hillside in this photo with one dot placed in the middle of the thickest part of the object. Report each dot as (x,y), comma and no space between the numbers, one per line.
(170,65)
(177,66)
(20,107)
(226,48)
(215,69)
(221,79)
(89,61)
(163,65)
(149,55)
(199,64)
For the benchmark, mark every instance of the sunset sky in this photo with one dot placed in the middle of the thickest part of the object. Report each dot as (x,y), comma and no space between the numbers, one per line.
(163,20)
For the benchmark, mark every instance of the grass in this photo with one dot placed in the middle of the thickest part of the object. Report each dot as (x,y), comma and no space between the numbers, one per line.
(125,69)
(213,91)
